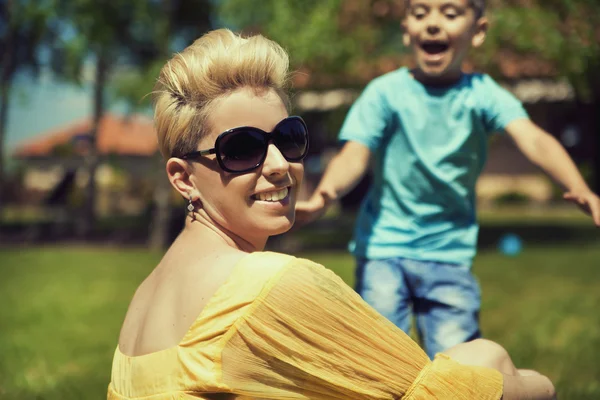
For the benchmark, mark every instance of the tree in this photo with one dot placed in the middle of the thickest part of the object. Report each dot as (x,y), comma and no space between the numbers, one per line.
(24,28)
(112,34)
(563,35)
(348,42)
(178,22)
(332,43)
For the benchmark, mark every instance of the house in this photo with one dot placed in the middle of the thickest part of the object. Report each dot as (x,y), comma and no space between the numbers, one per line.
(131,136)
(127,151)
(129,163)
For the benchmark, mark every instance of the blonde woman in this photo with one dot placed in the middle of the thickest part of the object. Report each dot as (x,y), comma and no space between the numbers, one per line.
(219,317)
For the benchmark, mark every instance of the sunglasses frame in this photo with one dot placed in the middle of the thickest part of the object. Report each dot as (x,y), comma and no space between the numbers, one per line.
(269,136)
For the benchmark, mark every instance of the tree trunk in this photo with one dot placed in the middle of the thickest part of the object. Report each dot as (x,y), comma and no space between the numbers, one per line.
(4,102)
(161,221)
(596,155)
(160,225)
(6,73)
(91,160)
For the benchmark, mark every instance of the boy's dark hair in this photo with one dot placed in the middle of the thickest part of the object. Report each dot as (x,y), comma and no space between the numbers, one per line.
(478,6)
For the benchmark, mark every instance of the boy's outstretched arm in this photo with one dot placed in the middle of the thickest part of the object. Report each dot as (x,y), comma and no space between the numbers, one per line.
(341,175)
(545,151)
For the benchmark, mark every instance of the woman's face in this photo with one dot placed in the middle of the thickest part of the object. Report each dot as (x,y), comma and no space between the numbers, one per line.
(256,204)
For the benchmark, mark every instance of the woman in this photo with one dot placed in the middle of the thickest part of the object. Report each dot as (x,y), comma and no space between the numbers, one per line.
(219,318)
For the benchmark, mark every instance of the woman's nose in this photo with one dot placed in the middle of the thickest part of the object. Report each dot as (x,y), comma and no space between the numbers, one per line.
(275,163)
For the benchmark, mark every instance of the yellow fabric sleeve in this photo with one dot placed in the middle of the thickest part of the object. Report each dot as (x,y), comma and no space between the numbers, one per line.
(310,336)
(447,379)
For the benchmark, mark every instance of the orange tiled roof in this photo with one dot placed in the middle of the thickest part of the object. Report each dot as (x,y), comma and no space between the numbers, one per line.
(133,135)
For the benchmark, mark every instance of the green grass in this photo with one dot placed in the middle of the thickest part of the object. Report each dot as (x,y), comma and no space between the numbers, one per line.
(61,310)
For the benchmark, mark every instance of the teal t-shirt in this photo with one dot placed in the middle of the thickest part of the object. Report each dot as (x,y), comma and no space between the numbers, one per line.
(429,145)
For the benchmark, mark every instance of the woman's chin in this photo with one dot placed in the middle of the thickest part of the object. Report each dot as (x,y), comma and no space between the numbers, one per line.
(279,226)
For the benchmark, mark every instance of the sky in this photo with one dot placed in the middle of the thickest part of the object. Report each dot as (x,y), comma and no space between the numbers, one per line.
(39,105)
(43,104)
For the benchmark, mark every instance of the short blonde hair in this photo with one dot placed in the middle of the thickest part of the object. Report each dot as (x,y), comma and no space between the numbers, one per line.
(215,65)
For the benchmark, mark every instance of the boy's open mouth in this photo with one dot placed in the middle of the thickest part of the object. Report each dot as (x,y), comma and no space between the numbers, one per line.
(434,47)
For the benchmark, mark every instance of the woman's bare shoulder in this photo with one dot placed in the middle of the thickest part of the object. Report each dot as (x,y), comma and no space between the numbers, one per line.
(171,298)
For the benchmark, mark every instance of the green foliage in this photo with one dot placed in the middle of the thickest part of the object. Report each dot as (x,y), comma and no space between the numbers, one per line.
(127,33)
(24,26)
(512,198)
(533,30)
(306,29)
(134,85)
(338,37)
(172,23)
(562,32)
(327,37)
(120,31)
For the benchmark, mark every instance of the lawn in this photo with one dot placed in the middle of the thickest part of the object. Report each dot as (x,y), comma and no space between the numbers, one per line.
(62,308)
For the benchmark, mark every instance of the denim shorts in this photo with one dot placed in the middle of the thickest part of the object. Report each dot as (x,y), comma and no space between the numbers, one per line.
(444,298)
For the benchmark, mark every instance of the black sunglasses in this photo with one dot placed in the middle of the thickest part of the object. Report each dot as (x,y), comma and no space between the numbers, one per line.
(245,148)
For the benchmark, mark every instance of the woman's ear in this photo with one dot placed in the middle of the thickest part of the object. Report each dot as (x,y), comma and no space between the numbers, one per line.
(481,27)
(179,173)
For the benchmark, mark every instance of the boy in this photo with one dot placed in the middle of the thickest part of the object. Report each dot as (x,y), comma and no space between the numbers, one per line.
(427,132)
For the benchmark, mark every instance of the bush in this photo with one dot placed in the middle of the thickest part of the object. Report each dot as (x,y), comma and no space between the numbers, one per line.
(512,198)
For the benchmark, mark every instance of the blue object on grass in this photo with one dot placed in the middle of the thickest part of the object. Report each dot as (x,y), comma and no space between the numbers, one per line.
(510,244)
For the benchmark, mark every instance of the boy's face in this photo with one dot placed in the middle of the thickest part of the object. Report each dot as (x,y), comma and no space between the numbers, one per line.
(440,33)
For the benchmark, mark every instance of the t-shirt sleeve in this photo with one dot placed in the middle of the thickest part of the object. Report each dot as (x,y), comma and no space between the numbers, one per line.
(368,118)
(310,336)
(500,106)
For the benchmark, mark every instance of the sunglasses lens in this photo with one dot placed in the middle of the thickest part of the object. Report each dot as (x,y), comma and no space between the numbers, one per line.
(291,139)
(242,150)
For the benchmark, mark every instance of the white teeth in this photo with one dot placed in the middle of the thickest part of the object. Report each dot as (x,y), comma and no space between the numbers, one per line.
(273,196)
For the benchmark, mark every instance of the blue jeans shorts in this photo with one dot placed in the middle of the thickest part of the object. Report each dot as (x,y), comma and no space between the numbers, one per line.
(445,298)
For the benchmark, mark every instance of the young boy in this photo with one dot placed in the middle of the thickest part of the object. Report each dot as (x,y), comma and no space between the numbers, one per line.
(427,131)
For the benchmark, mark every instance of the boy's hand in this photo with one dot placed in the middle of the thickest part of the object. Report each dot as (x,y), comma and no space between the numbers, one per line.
(312,209)
(587,200)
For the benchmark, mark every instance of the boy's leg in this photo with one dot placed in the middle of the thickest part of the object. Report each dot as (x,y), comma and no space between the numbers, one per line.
(447,300)
(381,283)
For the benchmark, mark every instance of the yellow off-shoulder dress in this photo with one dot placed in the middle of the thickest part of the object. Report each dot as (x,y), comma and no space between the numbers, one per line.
(286,328)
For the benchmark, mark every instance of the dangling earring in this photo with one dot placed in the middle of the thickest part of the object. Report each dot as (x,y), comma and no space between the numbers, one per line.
(190,207)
